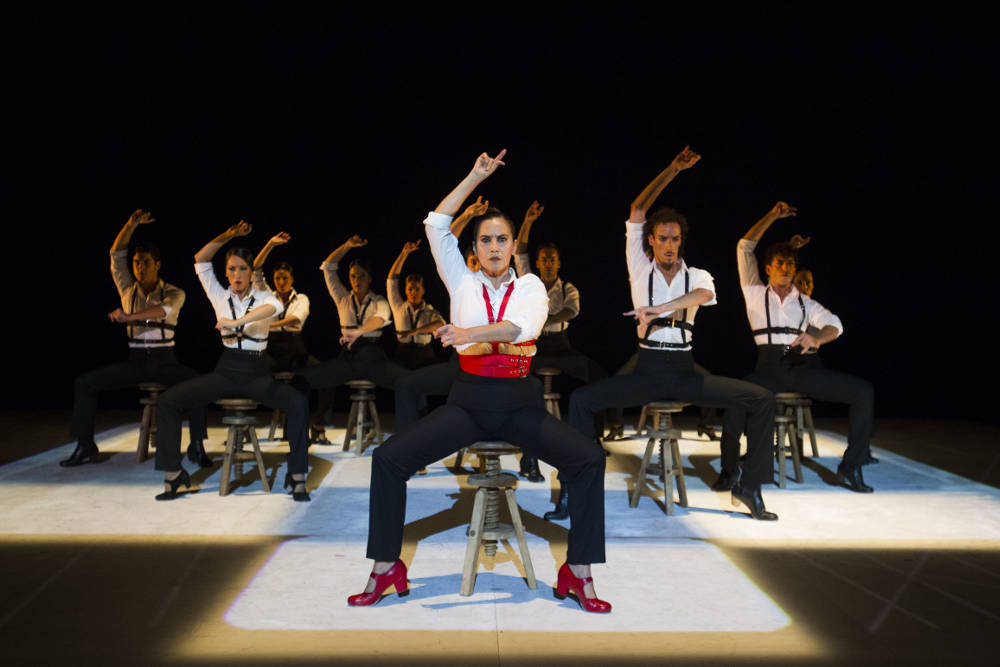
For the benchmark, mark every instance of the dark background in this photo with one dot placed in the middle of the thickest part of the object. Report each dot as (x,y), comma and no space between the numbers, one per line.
(876,125)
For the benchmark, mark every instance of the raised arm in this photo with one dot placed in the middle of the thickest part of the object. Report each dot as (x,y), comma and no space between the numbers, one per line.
(534,211)
(281,238)
(481,170)
(472,210)
(641,204)
(138,217)
(333,284)
(338,254)
(241,228)
(777,212)
(397,267)
(259,313)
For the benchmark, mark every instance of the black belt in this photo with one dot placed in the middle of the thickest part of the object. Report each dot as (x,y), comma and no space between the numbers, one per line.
(776,330)
(255,354)
(656,345)
(670,322)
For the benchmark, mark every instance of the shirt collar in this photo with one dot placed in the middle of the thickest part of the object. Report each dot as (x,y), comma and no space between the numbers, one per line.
(145,295)
(481,277)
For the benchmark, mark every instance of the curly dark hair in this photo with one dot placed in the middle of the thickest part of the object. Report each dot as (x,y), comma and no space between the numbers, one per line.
(661,216)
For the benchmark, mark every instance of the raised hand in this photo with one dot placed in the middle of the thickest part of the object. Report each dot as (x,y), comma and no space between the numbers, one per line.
(797,241)
(241,228)
(356,242)
(686,159)
(140,217)
(783,210)
(281,238)
(477,208)
(410,246)
(486,165)
(534,211)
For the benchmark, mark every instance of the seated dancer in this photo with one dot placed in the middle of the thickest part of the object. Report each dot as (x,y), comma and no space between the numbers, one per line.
(362,316)
(242,315)
(284,342)
(415,319)
(786,351)
(666,294)
(149,310)
(495,316)
(554,349)
(413,389)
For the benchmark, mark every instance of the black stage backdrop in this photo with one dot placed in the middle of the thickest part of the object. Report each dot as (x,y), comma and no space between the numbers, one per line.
(325,125)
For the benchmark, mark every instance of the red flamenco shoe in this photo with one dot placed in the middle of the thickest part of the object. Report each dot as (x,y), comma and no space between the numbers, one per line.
(394,576)
(570,583)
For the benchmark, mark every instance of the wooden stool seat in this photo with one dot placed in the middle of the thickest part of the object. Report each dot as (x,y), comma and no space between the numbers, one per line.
(278,417)
(798,406)
(147,428)
(241,429)
(784,427)
(363,425)
(485,529)
(671,468)
(656,409)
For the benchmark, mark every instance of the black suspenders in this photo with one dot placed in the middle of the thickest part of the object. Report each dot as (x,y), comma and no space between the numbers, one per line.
(162,324)
(238,334)
(660,323)
(778,330)
(359,318)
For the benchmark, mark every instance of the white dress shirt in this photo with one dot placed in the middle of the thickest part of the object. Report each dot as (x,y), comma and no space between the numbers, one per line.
(221,298)
(353,314)
(639,269)
(297,306)
(527,307)
(561,295)
(787,313)
(408,318)
(168,297)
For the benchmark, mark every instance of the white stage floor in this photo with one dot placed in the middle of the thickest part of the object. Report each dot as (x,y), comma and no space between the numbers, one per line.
(686,575)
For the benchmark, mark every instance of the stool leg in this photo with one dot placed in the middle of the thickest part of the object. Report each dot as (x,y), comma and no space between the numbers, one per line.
(667,464)
(640,480)
(522,542)
(275,418)
(459,455)
(377,438)
(780,436)
(808,414)
(359,426)
(557,413)
(641,424)
(352,417)
(227,461)
(682,494)
(475,540)
(260,459)
(797,458)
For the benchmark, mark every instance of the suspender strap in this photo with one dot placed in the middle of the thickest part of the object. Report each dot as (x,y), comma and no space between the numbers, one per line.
(359,318)
(162,325)
(239,335)
(778,330)
(661,323)
(503,308)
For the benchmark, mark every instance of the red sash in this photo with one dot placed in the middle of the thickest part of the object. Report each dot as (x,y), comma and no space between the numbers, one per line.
(496,364)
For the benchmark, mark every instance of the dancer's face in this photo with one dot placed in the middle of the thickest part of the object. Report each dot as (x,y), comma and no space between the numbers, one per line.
(360,280)
(804,281)
(283,281)
(548,264)
(238,274)
(414,293)
(781,271)
(495,245)
(666,243)
(145,268)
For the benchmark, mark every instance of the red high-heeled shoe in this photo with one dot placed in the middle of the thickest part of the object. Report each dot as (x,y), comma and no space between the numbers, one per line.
(570,583)
(394,576)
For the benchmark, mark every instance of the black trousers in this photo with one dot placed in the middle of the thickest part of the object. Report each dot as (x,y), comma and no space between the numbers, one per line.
(143,365)
(808,377)
(665,375)
(365,361)
(287,350)
(413,389)
(554,351)
(414,355)
(481,408)
(238,374)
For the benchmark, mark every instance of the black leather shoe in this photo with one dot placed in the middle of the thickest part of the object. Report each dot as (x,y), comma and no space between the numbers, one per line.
(298,487)
(85,452)
(754,502)
(561,510)
(615,432)
(317,436)
(182,479)
(869,459)
(854,481)
(725,482)
(196,454)
(529,469)
(708,432)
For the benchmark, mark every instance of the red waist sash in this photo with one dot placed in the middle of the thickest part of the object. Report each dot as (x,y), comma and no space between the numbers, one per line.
(497,365)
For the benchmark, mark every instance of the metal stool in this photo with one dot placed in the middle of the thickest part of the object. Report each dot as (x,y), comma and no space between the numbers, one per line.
(241,429)
(670,468)
(659,409)
(485,528)
(798,406)
(279,418)
(147,432)
(362,421)
(784,430)
(551,398)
